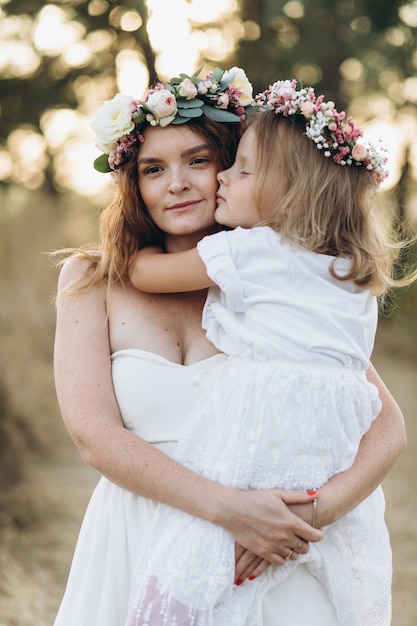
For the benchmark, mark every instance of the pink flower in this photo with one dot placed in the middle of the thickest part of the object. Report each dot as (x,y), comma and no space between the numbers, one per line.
(222,101)
(359,152)
(379,177)
(308,109)
(163,106)
(187,90)
(332,127)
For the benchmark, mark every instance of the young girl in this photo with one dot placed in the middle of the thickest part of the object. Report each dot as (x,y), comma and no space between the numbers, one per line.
(293,304)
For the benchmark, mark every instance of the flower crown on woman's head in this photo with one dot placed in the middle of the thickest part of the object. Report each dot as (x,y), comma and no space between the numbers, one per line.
(330,130)
(119,124)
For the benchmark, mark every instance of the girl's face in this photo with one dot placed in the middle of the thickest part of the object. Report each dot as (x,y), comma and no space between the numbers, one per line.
(177,181)
(236,205)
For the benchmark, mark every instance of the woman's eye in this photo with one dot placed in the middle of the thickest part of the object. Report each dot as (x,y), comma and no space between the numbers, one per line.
(153,169)
(200,161)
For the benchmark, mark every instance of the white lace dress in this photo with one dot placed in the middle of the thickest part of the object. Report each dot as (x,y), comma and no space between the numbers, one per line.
(287,409)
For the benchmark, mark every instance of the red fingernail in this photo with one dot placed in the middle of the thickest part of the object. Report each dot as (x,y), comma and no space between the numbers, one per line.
(311,492)
(251,577)
(239,581)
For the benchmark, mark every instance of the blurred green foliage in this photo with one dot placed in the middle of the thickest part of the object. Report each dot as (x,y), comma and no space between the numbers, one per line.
(349,49)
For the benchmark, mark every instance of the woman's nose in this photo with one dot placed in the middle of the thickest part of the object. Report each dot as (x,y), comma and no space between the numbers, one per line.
(178,181)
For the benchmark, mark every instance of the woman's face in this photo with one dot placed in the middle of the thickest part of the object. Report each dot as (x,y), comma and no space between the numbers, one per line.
(177,181)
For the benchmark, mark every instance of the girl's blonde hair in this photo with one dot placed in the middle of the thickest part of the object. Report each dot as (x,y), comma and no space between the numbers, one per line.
(125,224)
(321,205)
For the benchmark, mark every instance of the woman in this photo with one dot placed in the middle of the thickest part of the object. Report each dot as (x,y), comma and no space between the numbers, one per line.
(125,364)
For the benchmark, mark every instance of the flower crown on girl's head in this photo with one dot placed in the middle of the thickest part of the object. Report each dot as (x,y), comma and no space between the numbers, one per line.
(331,131)
(119,124)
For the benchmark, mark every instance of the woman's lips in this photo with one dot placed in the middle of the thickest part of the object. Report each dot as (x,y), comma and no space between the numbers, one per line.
(183,206)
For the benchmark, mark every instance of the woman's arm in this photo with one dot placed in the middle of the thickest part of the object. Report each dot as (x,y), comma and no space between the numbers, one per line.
(258,520)
(153,271)
(378,451)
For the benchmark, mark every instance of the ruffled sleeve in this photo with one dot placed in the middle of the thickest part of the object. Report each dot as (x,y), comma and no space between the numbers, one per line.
(216,254)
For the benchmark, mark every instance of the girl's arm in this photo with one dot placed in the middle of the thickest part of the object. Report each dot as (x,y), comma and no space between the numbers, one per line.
(259,520)
(153,271)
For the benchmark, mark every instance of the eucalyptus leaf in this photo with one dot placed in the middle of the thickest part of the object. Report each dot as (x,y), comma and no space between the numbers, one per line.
(225,81)
(197,72)
(189,104)
(220,115)
(217,75)
(251,109)
(101,164)
(180,120)
(195,112)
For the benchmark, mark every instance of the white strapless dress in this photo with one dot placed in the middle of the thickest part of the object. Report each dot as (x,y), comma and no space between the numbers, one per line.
(155,396)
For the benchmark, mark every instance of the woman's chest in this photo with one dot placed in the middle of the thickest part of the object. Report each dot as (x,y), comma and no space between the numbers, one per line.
(165,324)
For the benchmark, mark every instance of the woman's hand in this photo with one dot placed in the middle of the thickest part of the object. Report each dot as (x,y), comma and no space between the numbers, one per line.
(250,565)
(262,523)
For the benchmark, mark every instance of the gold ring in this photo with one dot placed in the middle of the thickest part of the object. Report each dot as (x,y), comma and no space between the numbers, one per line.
(289,555)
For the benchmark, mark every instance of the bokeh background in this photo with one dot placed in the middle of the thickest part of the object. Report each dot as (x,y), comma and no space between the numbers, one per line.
(58,62)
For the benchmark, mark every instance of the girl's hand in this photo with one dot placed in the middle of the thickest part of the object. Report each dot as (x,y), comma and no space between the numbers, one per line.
(248,564)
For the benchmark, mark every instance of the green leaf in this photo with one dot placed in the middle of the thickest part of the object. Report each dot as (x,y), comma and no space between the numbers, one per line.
(189,104)
(251,109)
(196,74)
(226,81)
(101,164)
(220,115)
(139,116)
(217,75)
(195,112)
(180,120)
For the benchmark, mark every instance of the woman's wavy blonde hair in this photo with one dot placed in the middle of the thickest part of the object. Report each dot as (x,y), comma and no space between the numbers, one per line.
(325,207)
(125,224)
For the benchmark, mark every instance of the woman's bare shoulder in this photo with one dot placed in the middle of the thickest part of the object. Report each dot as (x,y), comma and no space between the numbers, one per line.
(75,274)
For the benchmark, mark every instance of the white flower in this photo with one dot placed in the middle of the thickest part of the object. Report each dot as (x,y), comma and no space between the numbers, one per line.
(283,88)
(202,88)
(240,81)
(113,121)
(163,106)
